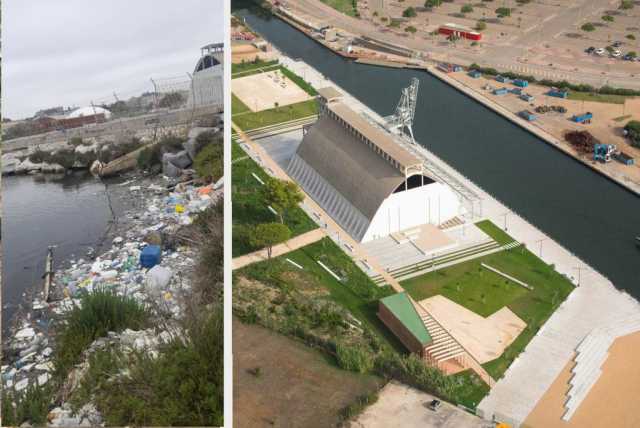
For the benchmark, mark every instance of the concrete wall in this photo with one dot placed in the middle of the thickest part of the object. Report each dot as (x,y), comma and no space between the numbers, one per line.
(434,203)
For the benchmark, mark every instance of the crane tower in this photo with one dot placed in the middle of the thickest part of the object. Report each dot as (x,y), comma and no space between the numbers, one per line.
(405,110)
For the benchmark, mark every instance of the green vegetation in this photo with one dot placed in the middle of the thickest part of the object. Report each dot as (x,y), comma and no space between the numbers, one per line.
(503,11)
(256,64)
(348,7)
(237,106)
(266,235)
(152,155)
(484,292)
(208,162)
(99,312)
(432,3)
(282,195)
(633,132)
(236,151)
(563,84)
(32,405)
(411,29)
(274,116)
(608,18)
(496,233)
(626,4)
(588,27)
(600,98)
(250,209)
(409,12)
(299,81)
(183,386)
(481,26)
(357,407)
(467,8)
(469,389)
(630,36)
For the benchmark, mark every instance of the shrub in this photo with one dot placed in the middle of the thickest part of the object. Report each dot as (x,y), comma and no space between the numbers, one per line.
(410,29)
(76,141)
(38,156)
(208,162)
(608,18)
(63,157)
(630,37)
(172,100)
(626,4)
(481,25)
(354,358)
(182,387)
(588,27)
(357,407)
(432,3)
(409,12)
(467,8)
(99,312)
(503,11)
(31,406)
(633,132)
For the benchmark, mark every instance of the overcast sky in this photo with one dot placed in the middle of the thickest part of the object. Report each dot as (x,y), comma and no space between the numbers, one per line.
(70,52)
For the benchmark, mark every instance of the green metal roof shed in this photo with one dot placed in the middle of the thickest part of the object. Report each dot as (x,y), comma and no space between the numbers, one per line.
(402,309)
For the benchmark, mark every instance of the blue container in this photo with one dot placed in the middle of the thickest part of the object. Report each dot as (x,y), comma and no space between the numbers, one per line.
(502,79)
(500,91)
(150,256)
(475,74)
(520,82)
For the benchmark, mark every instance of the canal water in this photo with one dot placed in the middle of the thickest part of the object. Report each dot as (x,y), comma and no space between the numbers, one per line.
(70,212)
(591,216)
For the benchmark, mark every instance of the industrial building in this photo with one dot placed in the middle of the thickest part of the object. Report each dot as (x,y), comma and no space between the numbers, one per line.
(459,31)
(365,180)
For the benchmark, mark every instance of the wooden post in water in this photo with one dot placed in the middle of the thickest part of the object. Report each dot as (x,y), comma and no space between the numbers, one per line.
(48,273)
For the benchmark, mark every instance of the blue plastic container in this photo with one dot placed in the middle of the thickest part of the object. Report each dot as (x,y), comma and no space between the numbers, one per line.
(150,256)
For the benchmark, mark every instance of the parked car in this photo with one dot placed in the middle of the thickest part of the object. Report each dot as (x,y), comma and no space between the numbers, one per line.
(617,44)
(435,405)
(590,49)
(600,51)
(616,53)
(628,57)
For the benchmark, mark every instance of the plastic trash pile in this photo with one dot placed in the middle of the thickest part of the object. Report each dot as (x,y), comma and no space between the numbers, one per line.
(160,281)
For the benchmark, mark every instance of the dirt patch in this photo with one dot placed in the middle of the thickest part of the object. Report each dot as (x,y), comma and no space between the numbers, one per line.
(612,401)
(295,387)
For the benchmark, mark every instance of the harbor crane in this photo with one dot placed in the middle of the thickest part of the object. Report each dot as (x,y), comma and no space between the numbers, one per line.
(405,110)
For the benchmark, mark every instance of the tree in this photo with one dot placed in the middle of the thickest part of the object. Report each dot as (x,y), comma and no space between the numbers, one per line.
(633,132)
(467,8)
(266,235)
(410,12)
(626,4)
(503,11)
(480,26)
(281,195)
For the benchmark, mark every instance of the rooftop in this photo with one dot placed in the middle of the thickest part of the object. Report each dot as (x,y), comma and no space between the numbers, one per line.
(378,137)
(402,308)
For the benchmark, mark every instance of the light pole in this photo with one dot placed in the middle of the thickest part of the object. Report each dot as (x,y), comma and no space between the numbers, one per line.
(505,220)
(540,241)
(580,269)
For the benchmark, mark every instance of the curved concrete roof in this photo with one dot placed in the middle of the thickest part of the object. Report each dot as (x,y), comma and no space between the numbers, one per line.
(359,174)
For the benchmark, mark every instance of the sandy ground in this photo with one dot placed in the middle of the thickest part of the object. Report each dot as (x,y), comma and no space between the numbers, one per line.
(401,405)
(603,126)
(612,401)
(484,338)
(248,52)
(261,91)
(296,387)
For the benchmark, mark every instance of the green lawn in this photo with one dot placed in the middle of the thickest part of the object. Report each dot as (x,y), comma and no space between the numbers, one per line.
(238,106)
(243,67)
(348,7)
(249,121)
(496,233)
(484,292)
(236,151)
(356,291)
(470,389)
(600,98)
(250,210)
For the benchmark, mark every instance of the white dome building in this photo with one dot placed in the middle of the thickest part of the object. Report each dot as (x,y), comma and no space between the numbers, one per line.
(89,111)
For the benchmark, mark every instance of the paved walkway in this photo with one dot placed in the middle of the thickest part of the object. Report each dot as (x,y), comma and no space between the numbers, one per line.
(280,249)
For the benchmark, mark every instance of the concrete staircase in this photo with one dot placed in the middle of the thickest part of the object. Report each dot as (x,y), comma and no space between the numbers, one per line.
(590,356)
